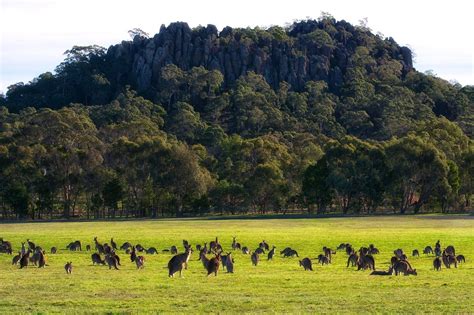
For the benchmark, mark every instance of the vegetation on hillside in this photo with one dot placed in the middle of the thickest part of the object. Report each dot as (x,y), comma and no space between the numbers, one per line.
(320,116)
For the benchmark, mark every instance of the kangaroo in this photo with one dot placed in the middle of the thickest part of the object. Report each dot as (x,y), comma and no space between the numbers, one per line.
(394,260)
(114,254)
(352,260)
(174,250)
(255,259)
(113,244)
(398,252)
(35,257)
(54,250)
(88,248)
(234,243)
(125,246)
(366,262)
(185,244)
(349,250)
(16,258)
(133,254)
(450,250)
(31,245)
(23,248)
(99,247)
(151,251)
(139,248)
(416,253)
(96,259)
(460,258)
(403,267)
(327,252)
(140,262)
(107,249)
(437,251)
(428,250)
(41,260)
(291,253)
(271,253)
(306,264)
(448,260)
(68,267)
(213,265)
(323,259)
(260,251)
(177,263)
(341,246)
(382,273)
(198,247)
(285,250)
(263,245)
(373,250)
(229,263)
(25,259)
(437,264)
(245,250)
(111,261)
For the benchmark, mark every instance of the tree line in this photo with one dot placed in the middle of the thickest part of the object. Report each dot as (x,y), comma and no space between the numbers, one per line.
(388,138)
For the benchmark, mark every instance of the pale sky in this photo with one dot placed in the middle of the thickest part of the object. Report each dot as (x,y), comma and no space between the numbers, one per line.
(35,33)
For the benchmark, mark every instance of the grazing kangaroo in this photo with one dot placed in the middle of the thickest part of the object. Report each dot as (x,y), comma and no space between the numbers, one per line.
(271,253)
(291,253)
(125,246)
(140,262)
(285,250)
(323,259)
(460,258)
(68,267)
(54,250)
(229,263)
(16,258)
(416,253)
(255,259)
(245,250)
(404,267)
(96,259)
(259,251)
(306,264)
(177,263)
(88,248)
(111,261)
(437,264)
(151,251)
(139,248)
(352,260)
(428,250)
(25,259)
(113,244)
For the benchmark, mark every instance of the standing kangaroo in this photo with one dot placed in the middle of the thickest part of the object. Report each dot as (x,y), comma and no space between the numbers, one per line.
(306,264)
(41,260)
(177,263)
(25,259)
(437,264)
(140,262)
(271,253)
(255,258)
(113,244)
(68,267)
(229,264)
(111,261)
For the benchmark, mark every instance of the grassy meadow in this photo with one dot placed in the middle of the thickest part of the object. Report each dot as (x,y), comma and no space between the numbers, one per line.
(279,286)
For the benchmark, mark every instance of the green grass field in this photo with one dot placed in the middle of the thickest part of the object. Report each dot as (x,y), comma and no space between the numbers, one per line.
(275,286)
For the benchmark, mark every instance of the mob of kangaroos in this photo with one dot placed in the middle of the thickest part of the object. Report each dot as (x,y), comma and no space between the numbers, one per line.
(106,254)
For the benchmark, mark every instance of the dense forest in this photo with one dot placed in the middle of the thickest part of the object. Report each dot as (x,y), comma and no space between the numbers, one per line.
(319,116)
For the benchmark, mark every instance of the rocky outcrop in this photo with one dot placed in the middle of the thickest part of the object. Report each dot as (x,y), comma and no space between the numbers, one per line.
(309,50)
